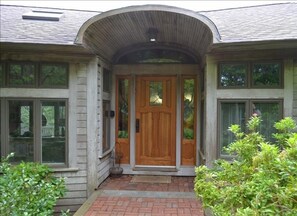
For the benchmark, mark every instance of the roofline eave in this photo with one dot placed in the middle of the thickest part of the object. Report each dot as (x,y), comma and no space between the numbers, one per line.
(254,44)
(44,47)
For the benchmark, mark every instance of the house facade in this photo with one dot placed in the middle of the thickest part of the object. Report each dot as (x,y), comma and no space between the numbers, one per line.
(154,87)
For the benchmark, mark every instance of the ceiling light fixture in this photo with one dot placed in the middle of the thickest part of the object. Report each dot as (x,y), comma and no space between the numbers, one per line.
(152,34)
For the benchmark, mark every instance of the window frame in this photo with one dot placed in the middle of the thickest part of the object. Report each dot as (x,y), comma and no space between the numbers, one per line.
(37,73)
(66,130)
(219,108)
(107,80)
(106,97)
(183,78)
(37,128)
(281,78)
(236,63)
(3,81)
(248,114)
(174,56)
(7,75)
(39,85)
(122,145)
(249,74)
(106,130)
(118,78)
(184,141)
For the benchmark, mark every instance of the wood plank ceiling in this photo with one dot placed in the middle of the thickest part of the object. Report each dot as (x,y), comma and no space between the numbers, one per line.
(120,32)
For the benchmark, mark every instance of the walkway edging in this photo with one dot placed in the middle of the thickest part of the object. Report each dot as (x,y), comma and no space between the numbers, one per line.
(87,204)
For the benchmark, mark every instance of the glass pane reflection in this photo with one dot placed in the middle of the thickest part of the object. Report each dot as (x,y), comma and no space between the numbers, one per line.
(189,108)
(53,131)
(123,108)
(156,93)
(21,130)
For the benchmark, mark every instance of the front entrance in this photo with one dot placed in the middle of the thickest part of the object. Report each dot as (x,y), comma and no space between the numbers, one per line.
(155,120)
(156,127)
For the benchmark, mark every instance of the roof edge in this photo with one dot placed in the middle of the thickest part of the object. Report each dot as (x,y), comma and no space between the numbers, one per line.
(260,44)
(55,8)
(45,47)
(244,7)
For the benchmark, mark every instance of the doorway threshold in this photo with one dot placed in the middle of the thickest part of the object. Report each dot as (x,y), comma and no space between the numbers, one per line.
(155,168)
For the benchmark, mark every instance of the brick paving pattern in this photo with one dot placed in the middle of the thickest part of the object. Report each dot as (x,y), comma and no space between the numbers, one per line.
(145,206)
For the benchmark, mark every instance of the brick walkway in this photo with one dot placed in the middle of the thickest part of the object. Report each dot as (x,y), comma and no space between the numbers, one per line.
(119,196)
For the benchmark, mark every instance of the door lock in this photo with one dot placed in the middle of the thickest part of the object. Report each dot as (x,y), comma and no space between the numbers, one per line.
(137,125)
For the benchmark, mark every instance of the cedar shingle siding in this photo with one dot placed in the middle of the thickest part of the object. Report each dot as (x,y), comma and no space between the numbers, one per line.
(295,91)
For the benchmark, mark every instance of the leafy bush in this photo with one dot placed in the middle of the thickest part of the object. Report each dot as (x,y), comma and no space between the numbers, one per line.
(28,189)
(261,180)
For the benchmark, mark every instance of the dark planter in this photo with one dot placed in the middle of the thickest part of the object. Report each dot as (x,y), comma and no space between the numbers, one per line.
(116,171)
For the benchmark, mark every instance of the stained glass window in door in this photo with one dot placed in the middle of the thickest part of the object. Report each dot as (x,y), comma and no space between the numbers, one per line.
(189,108)
(123,108)
(156,93)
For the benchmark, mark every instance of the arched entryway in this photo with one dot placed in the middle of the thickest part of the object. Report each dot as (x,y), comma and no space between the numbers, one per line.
(116,31)
(157,50)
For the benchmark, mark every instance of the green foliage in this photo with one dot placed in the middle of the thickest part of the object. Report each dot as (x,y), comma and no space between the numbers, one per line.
(28,189)
(52,74)
(232,74)
(123,134)
(285,131)
(261,180)
(188,133)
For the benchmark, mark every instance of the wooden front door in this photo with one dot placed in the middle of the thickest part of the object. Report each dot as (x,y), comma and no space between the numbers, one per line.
(156,120)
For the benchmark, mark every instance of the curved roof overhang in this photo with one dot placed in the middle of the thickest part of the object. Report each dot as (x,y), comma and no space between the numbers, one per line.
(114,32)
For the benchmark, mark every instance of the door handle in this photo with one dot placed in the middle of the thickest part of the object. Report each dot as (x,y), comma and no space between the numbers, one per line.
(137,125)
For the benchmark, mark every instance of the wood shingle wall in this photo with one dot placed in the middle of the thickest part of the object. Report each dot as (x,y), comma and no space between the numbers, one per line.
(295,91)
(104,162)
(77,181)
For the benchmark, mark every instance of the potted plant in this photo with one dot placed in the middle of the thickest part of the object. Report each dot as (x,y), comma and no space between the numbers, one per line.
(116,170)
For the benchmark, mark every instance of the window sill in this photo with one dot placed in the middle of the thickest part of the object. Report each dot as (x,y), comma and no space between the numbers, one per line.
(57,170)
(105,154)
(61,170)
(227,157)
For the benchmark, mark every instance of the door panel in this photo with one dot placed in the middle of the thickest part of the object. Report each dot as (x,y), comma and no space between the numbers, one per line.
(156,113)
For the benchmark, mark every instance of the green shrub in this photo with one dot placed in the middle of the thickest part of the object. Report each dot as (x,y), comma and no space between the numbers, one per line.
(28,189)
(261,180)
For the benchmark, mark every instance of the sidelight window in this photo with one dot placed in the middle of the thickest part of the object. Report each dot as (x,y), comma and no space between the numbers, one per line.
(106,126)
(122,119)
(123,108)
(188,108)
